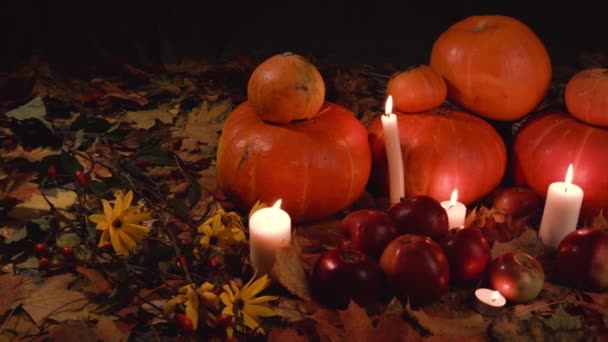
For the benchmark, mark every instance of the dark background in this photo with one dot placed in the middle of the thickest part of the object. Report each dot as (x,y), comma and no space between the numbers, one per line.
(402,33)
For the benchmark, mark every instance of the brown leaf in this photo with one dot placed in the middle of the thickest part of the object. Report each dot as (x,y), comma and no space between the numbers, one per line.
(146,119)
(539,307)
(288,270)
(600,221)
(14,288)
(495,225)
(394,329)
(52,298)
(528,242)
(72,331)
(324,232)
(21,324)
(23,191)
(467,325)
(357,325)
(97,283)
(285,334)
(326,321)
(107,330)
(291,310)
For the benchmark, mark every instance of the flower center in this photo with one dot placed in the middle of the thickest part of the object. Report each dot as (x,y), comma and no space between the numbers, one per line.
(239,305)
(117,223)
(213,240)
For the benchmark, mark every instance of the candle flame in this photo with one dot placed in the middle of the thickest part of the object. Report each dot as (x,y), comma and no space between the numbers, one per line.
(494,296)
(569,174)
(454,197)
(388,108)
(277,204)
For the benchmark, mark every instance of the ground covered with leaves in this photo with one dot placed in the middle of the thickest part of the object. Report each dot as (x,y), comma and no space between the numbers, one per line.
(112,226)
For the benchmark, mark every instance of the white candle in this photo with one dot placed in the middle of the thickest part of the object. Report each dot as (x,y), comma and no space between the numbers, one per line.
(489,302)
(392,144)
(456,210)
(269,229)
(562,208)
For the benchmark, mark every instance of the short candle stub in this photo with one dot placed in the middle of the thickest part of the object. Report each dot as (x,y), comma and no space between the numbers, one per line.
(488,302)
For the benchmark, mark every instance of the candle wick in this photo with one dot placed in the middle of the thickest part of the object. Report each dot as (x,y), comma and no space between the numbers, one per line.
(451,206)
(566,189)
(387,114)
(492,300)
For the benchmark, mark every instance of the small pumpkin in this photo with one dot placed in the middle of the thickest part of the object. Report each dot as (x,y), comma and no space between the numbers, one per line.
(286,87)
(317,167)
(548,143)
(586,96)
(442,150)
(416,89)
(494,66)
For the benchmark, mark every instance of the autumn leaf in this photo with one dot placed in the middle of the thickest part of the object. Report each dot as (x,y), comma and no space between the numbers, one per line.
(19,324)
(469,324)
(203,124)
(291,310)
(562,320)
(97,283)
(36,205)
(146,119)
(73,331)
(528,242)
(326,322)
(393,328)
(357,325)
(600,221)
(13,289)
(289,271)
(53,297)
(285,334)
(538,307)
(108,331)
(33,155)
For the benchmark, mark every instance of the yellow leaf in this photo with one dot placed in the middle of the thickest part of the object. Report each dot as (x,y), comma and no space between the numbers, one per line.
(289,271)
(146,119)
(204,123)
(34,155)
(60,198)
(468,325)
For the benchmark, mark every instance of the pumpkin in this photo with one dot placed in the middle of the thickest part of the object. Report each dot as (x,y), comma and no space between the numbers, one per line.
(416,89)
(494,66)
(586,96)
(547,144)
(442,150)
(286,87)
(317,167)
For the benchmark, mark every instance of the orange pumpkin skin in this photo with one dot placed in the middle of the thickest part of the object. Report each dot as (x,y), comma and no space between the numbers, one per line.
(494,66)
(417,89)
(441,151)
(317,167)
(286,87)
(548,143)
(586,96)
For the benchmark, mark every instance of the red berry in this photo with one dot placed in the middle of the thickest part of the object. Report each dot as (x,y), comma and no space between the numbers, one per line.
(68,253)
(80,178)
(52,172)
(184,322)
(40,248)
(182,261)
(44,263)
(186,244)
(223,321)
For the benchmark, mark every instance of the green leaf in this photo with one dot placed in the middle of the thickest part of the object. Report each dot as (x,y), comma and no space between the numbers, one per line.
(13,234)
(528,242)
(180,207)
(68,240)
(34,109)
(194,192)
(562,320)
(156,155)
(90,124)
(97,188)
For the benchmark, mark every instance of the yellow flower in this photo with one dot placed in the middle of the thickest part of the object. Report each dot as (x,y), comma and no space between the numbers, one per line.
(192,299)
(244,307)
(119,224)
(222,228)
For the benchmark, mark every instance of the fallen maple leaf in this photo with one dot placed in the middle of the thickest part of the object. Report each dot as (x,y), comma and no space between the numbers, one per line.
(289,271)
(53,297)
(357,325)
(19,324)
(14,288)
(562,320)
(203,123)
(97,283)
(36,205)
(528,242)
(33,155)
(107,330)
(285,334)
(72,331)
(146,119)
(469,324)
(393,328)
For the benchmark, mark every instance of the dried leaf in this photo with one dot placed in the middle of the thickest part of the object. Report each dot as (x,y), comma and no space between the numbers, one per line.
(528,242)
(13,234)
(394,329)
(470,325)
(285,334)
(14,288)
(537,307)
(34,155)
(72,331)
(600,221)
(22,191)
(288,270)
(325,323)
(34,109)
(97,283)
(52,298)
(108,331)
(20,324)
(146,119)
(204,124)
(290,310)
(495,225)
(562,320)
(59,198)
(357,325)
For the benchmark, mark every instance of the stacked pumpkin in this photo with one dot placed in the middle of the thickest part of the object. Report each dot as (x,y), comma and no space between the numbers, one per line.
(286,142)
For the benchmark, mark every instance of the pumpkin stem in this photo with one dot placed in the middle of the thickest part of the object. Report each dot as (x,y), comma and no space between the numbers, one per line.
(288,53)
(481,26)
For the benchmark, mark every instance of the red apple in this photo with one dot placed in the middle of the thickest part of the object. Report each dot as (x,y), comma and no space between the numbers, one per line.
(367,230)
(421,215)
(468,254)
(416,268)
(184,322)
(518,276)
(517,201)
(582,259)
(344,274)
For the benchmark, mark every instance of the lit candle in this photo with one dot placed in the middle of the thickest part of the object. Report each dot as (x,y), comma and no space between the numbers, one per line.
(269,229)
(393,153)
(489,302)
(562,208)
(456,210)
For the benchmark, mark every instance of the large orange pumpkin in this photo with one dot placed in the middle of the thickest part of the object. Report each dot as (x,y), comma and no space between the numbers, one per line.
(494,66)
(586,96)
(547,144)
(442,150)
(416,89)
(286,87)
(317,167)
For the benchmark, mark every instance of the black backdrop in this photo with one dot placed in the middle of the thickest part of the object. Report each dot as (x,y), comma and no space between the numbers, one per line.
(399,32)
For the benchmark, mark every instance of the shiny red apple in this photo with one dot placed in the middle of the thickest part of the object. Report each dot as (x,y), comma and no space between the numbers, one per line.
(420,215)
(518,276)
(416,268)
(344,274)
(582,259)
(517,201)
(367,230)
(468,253)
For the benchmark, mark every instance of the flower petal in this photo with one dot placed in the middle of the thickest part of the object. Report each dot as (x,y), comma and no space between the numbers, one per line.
(252,322)
(96,218)
(258,310)
(262,299)
(251,290)
(117,243)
